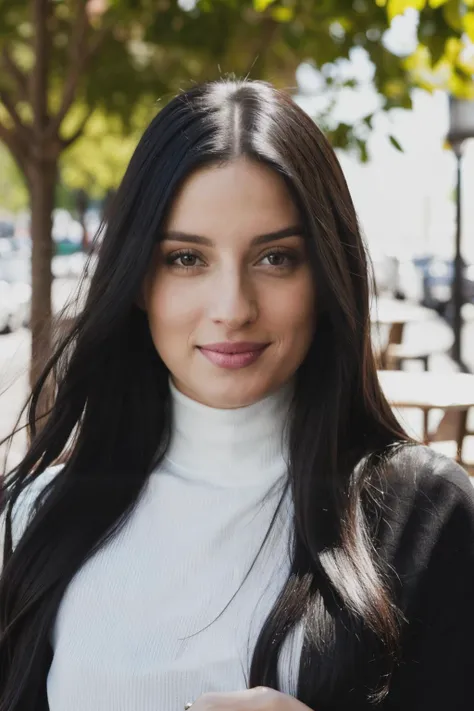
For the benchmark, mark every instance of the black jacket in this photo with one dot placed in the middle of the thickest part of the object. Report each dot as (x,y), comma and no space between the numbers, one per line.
(427,535)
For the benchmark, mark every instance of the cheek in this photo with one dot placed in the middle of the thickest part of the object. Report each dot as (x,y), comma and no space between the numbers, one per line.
(171,308)
(292,310)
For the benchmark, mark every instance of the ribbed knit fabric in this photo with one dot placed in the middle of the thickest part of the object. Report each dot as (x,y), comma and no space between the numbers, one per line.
(164,612)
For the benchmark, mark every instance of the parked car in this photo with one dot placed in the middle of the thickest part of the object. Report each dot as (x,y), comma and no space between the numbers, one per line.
(398,276)
(66,233)
(4,306)
(7,228)
(15,279)
(435,276)
(438,275)
(15,300)
(15,265)
(7,245)
(385,270)
(409,281)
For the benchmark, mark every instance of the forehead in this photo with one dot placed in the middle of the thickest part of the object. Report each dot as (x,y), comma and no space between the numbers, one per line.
(241,197)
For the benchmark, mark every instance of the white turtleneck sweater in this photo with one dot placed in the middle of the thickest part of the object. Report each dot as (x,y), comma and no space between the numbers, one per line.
(144,626)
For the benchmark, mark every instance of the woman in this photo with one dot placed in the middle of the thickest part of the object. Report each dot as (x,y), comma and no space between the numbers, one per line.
(240,523)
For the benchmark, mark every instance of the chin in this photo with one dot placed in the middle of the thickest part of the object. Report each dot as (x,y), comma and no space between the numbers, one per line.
(233,396)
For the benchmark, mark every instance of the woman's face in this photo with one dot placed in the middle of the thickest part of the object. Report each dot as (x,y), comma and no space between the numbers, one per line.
(230,298)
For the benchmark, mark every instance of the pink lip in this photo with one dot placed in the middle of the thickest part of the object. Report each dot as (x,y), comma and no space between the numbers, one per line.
(233,355)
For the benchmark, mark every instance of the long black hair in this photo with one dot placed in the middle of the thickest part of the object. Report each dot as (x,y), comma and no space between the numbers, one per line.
(110,417)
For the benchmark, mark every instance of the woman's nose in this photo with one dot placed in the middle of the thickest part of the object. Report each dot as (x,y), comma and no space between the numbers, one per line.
(233,301)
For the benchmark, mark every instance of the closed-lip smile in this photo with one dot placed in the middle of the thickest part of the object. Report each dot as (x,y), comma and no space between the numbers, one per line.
(234,347)
(233,354)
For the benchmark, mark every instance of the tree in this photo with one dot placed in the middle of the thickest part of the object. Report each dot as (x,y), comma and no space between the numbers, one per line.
(323,35)
(13,194)
(97,160)
(65,63)
(59,57)
(444,57)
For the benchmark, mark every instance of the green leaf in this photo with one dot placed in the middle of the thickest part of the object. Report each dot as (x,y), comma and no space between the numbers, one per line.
(261,5)
(452,15)
(283,14)
(368,120)
(395,143)
(362,150)
(398,7)
(469,25)
(436,45)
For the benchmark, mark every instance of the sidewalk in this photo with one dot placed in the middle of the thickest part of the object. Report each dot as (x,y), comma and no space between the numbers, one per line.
(14,362)
(14,357)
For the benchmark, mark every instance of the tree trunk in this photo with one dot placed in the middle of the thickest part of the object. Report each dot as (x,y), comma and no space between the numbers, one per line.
(42,169)
(42,191)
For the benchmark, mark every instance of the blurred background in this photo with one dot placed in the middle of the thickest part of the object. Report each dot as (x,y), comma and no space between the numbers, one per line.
(389,81)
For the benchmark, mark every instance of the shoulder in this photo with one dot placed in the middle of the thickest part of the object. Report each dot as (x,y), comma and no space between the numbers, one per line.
(24,505)
(418,472)
(427,515)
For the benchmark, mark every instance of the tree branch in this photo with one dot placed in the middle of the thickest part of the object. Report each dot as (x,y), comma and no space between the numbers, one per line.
(66,142)
(16,147)
(15,72)
(4,133)
(9,104)
(78,44)
(41,11)
(81,55)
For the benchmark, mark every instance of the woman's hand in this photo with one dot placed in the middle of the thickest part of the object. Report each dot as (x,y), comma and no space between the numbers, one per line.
(258,699)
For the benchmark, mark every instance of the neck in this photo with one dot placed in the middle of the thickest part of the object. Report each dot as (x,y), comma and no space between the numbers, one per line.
(244,446)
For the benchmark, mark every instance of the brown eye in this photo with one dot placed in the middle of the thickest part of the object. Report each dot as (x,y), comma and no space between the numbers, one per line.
(184,260)
(187,260)
(277,259)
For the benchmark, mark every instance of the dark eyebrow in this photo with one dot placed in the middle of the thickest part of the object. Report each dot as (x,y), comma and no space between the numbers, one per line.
(295,230)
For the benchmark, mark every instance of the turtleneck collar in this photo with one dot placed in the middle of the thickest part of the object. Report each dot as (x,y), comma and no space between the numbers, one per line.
(244,446)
